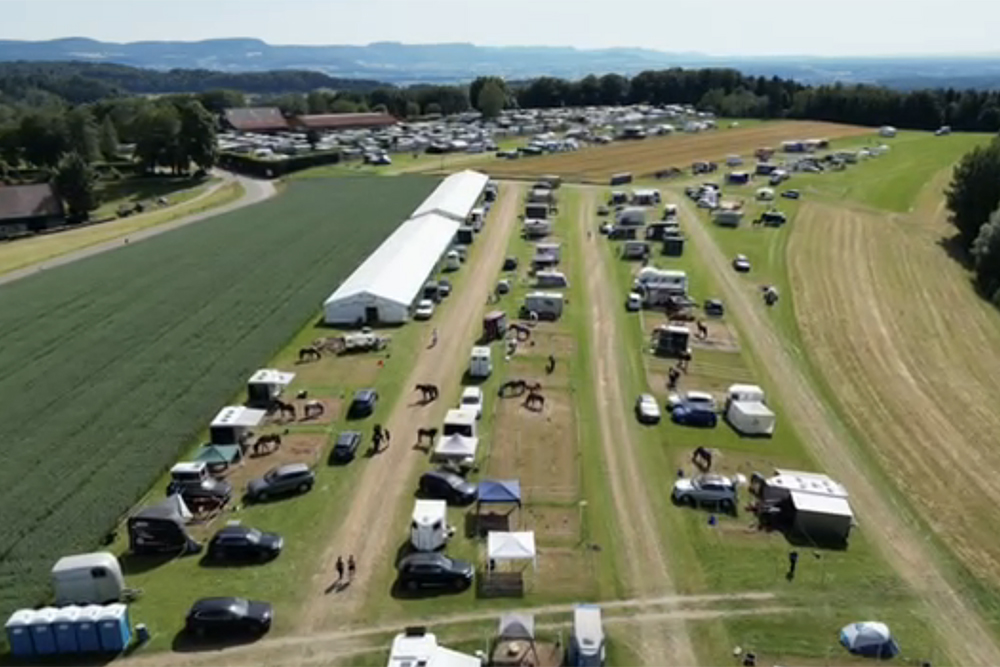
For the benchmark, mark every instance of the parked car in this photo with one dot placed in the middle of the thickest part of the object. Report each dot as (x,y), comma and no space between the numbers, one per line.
(741,264)
(510,264)
(701,399)
(289,478)
(229,616)
(434,569)
(633,302)
(444,287)
(791,194)
(706,490)
(646,409)
(424,310)
(714,308)
(453,488)
(603,210)
(195,484)
(346,447)
(472,399)
(688,414)
(242,543)
(363,403)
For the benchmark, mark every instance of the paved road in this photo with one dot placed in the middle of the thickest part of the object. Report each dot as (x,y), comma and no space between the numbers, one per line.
(254,192)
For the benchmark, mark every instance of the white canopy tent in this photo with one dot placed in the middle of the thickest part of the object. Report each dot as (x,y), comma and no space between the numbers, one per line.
(409,650)
(455,197)
(456,446)
(386,284)
(512,546)
(239,416)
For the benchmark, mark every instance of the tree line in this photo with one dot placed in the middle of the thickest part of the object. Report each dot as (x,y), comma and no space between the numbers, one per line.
(974,201)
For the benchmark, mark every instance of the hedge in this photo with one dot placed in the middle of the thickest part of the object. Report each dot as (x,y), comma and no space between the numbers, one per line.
(245,164)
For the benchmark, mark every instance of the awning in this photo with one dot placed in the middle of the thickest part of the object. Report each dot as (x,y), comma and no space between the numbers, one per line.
(219,454)
(500,491)
(516,626)
(512,546)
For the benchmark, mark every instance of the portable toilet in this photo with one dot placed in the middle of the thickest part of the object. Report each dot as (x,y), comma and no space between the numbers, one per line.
(42,635)
(113,628)
(18,628)
(87,637)
(64,626)
(94,578)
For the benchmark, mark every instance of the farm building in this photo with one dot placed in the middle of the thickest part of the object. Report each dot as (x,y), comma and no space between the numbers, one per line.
(385,286)
(256,119)
(28,208)
(343,121)
(455,196)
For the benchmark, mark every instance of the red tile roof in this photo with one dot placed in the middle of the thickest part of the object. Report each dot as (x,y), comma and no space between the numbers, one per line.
(342,121)
(256,119)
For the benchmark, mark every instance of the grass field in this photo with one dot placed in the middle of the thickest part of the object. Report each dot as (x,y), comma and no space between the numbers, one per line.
(130,191)
(24,252)
(131,352)
(643,158)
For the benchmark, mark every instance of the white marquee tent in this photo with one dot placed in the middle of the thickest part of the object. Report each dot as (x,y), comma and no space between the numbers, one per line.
(455,197)
(512,546)
(385,286)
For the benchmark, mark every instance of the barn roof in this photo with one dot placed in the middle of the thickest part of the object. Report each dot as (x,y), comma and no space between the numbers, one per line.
(256,119)
(28,201)
(340,121)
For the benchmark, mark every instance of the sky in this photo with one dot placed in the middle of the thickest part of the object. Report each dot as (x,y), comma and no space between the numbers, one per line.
(723,27)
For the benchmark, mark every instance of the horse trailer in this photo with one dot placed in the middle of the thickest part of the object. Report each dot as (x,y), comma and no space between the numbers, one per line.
(536,211)
(727,218)
(633,216)
(543,305)
(551,279)
(94,578)
(635,250)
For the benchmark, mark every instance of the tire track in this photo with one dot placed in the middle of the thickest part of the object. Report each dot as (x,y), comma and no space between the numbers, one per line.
(648,570)
(967,638)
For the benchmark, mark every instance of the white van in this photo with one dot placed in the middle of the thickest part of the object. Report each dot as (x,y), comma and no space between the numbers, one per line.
(480,362)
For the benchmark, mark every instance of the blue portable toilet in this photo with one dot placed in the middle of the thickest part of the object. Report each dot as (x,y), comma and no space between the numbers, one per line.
(113,627)
(64,626)
(19,633)
(42,634)
(87,638)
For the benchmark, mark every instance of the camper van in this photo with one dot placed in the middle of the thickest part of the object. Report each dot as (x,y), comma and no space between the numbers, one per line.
(586,648)
(545,305)
(537,228)
(536,211)
(631,217)
(94,578)
(675,281)
(429,526)
(480,362)
(476,218)
(551,279)
(553,249)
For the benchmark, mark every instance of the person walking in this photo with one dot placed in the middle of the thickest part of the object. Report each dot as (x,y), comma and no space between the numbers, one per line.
(793,561)
(351,568)
(340,568)
(434,338)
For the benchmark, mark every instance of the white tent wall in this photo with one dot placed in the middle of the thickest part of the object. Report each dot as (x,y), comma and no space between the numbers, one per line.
(455,196)
(392,277)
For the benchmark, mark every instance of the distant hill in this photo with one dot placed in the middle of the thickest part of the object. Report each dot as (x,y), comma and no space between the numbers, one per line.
(404,64)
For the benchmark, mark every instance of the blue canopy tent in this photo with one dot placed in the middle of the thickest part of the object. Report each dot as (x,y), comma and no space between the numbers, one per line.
(498,492)
(869,638)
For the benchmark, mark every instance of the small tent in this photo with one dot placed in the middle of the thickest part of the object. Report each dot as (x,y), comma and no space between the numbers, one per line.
(750,418)
(869,638)
(456,447)
(511,547)
(498,492)
(429,527)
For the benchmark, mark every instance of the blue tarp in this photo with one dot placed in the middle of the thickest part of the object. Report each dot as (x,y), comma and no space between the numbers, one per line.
(500,491)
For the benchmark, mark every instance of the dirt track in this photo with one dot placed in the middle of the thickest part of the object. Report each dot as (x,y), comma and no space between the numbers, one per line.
(596,164)
(648,571)
(369,528)
(967,639)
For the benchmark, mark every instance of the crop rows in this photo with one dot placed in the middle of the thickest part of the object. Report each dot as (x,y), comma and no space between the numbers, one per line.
(111,366)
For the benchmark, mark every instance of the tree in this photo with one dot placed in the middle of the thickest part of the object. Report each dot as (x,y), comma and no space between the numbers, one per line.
(614,89)
(317,102)
(43,138)
(476,88)
(343,105)
(197,137)
(313,137)
(217,101)
(83,134)
(975,190)
(74,182)
(108,139)
(491,100)
(986,258)
(157,130)
(412,109)
(433,108)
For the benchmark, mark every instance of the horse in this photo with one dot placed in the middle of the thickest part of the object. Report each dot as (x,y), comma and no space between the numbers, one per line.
(702,330)
(684,361)
(673,375)
(283,408)
(267,440)
(512,388)
(431,434)
(312,409)
(309,353)
(551,365)
(536,400)
(429,392)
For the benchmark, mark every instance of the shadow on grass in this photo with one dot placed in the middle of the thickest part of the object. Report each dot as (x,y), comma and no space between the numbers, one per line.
(186,642)
(73,660)
(140,563)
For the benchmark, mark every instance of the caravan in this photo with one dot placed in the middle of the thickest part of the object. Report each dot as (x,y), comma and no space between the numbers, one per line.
(94,578)
(543,305)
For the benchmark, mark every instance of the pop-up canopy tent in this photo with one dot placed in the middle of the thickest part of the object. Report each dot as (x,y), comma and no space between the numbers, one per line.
(869,638)
(511,547)
(498,492)
(456,447)
(220,456)
(516,634)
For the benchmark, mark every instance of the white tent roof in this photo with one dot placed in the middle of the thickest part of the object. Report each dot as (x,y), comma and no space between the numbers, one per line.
(237,415)
(398,268)
(271,376)
(810,502)
(455,197)
(424,650)
(511,546)
(456,446)
(429,512)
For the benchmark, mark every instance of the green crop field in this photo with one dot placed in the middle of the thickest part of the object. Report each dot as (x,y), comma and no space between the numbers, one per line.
(110,366)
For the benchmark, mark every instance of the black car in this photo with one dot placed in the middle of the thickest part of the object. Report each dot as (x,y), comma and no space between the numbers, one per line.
(441,485)
(434,570)
(346,447)
(791,194)
(714,308)
(363,404)
(229,616)
(510,264)
(242,543)
(293,477)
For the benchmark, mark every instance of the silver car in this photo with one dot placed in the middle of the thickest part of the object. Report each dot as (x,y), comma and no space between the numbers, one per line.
(706,490)
(646,409)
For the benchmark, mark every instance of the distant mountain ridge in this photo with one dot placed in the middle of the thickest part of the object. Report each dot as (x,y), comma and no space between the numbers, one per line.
(404,64)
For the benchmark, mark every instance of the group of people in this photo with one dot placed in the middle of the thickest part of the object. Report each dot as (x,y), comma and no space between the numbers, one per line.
(351,568)
(380,434)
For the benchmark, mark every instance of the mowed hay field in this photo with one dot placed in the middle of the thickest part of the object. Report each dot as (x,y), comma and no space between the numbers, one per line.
(645,157)
(912,355)
(110,366)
